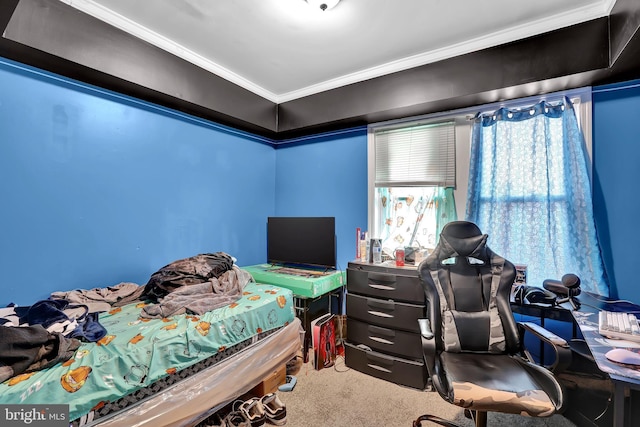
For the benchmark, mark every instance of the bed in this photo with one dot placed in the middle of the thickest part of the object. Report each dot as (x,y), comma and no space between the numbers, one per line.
(171,371)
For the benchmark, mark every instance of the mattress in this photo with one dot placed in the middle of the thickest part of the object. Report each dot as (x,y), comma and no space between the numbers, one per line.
(305,283)
(139,358)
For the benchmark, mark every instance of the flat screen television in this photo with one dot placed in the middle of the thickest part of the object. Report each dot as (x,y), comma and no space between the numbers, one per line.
(302,241)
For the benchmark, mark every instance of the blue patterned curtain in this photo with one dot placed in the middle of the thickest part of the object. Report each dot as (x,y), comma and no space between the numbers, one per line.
(529,190)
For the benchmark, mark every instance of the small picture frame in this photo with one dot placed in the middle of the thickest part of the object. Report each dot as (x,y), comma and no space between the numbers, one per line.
(521,275)
(520,279)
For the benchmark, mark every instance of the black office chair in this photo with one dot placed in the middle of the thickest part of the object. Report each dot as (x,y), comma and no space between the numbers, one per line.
(472,344)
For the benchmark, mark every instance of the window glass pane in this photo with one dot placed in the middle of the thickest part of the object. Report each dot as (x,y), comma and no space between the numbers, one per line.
(405,216)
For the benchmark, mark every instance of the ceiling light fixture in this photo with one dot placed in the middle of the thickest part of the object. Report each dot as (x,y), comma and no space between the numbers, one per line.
(323,5)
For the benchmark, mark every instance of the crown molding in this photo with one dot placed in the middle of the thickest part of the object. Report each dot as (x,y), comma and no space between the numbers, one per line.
(575,16)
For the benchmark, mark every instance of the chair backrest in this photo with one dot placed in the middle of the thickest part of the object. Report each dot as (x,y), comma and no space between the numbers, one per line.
(468,289)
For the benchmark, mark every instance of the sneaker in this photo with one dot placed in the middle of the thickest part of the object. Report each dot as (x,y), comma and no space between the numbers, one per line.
(213,421)
(254,412)
(236,419)
(274,409)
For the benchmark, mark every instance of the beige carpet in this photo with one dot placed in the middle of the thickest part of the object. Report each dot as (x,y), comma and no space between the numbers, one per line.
(343,397)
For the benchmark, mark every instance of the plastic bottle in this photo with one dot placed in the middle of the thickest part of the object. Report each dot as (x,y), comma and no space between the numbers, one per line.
(377,251)
(364,255)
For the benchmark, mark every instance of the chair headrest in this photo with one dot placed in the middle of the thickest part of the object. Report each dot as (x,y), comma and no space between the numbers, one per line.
(461,238)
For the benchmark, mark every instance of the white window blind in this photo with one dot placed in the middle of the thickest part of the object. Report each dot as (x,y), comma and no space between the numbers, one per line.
(419,155)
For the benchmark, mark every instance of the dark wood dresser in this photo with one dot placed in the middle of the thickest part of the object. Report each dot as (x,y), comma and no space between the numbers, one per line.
(384,303)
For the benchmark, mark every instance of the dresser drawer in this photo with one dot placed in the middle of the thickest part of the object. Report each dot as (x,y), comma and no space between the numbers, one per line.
(385,313)
(385,285)
(410,373)
(390,341)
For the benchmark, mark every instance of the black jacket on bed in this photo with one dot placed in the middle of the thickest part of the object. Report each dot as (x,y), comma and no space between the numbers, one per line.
(31,348)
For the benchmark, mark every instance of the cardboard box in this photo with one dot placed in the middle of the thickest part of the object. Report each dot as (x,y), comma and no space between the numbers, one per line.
(270,383)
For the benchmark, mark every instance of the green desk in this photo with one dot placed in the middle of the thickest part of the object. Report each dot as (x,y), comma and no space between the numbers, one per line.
(309,286)
(305,283)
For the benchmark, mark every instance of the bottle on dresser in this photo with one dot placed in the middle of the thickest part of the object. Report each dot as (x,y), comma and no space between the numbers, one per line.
(364,247)
(376,248)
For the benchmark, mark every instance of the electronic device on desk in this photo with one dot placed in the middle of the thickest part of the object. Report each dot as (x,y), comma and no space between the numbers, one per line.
(552,293)
(624,356)
(619,325)
(302,241)
(524,295)
(567,289)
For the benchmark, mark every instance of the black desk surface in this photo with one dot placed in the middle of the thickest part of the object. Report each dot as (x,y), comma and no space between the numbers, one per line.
(587,319)
(624,377)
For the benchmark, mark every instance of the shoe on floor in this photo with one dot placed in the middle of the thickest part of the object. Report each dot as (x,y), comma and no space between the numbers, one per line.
(254,411)
(274,409)
(236,419)
(215,421)
(294,365)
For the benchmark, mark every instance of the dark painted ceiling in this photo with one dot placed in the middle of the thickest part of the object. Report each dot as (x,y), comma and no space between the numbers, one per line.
(53,36)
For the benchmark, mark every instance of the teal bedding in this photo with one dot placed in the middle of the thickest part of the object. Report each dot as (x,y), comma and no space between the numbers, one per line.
(137,352)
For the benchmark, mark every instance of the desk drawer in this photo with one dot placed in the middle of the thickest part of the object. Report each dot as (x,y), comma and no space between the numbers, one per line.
(410,373)
(385,285)
(385,313)
(391,341)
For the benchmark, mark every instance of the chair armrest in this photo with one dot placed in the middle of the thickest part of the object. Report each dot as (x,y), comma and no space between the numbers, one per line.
(428,345)
(559,345)
(425,328)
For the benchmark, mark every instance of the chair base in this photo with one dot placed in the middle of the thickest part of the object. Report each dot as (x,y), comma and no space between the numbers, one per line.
(437,420)
(479,416)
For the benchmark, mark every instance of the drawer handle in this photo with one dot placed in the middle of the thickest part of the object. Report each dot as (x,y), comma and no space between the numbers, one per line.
(380,308)
(381,340)
(375,330)
(382,287)
(383,305)
(379,314)
(378,368)
(377,362)
(381,277)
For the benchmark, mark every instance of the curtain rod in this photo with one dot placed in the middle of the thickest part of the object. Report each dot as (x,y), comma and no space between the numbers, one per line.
(487,107)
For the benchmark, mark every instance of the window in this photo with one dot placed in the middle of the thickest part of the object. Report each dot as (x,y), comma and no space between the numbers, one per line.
(388,197)
(413,170)
(530,191)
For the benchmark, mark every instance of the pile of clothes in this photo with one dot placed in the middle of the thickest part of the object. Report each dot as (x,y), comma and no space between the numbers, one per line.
(49,331)
(192,285)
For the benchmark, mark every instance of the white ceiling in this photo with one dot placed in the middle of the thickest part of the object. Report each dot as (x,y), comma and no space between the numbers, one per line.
(284,49)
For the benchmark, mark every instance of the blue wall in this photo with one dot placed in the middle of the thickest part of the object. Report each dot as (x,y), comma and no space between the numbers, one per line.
(616,163)
(326,176)
(97,188)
